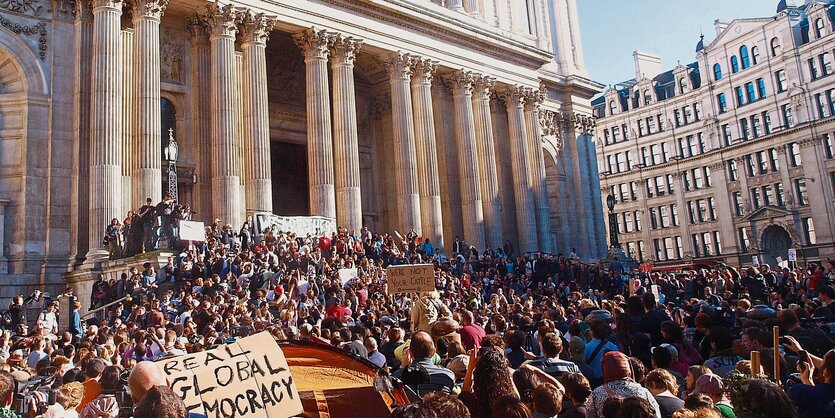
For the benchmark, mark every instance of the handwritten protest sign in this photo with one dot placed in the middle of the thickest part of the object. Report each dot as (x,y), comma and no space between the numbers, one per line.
(411,278)
(192,231)
(248,378)
(345,275)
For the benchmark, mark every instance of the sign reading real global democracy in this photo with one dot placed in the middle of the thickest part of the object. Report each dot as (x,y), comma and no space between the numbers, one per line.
(247,378)
(411,278)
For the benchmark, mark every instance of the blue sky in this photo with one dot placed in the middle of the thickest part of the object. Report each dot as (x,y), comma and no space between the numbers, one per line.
(612,29)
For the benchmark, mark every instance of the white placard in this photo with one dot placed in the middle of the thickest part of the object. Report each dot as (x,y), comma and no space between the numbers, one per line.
(192,231)
(755,260)
(345,275)
(792,254)
(410,278)
(656,292)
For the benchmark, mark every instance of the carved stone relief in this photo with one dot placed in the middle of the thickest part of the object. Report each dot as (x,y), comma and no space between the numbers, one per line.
(172,54)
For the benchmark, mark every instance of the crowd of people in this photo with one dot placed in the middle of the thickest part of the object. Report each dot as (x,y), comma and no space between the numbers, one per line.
(503,335)
(146,229)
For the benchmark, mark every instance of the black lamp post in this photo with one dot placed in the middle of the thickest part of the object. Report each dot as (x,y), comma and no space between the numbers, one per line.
(171,152)
(613,221)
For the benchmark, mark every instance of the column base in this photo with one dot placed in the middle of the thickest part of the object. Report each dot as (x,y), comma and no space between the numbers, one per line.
(95,256)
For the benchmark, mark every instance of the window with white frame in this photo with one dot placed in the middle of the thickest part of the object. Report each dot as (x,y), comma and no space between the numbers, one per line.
(809,231)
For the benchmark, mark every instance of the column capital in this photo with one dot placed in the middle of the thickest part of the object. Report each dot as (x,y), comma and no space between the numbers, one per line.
(344,49)
(314,43)
(198,33)
(423,70)
(147,9)
(718,166)
(484,87)
(83,10)
(110,4)
(514,96)
(399,65)
(255,27)
(222,21)
(462,82)
(533,98)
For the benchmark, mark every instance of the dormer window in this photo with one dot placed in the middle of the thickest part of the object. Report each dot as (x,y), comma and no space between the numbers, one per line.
(819,28)
(743,55)
(682,85)
(734,64)
(776,49)
(717,72)
(612,107)
(647,97)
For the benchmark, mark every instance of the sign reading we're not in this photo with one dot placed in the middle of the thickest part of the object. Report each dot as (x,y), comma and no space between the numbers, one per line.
(411,278)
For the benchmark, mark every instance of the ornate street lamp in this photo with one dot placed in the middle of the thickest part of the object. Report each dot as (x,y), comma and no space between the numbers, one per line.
(613,221)
(171,152)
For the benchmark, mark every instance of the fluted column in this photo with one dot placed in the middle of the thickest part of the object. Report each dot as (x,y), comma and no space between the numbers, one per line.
(471,6)
(226,182)
(405,158)
(539,180)
(128,116)
(431,215)
(201,128)
(520,164)
(488,173)
(105,124)
(147,130)
(456,5)
(80,220)
(471,207)
(314,44)
(255,29)
(346,139)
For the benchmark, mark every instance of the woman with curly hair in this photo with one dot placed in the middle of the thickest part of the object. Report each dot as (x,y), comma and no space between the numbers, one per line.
(487,380)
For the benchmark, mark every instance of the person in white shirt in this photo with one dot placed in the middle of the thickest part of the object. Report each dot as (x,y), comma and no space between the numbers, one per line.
(47,320)
(37,354)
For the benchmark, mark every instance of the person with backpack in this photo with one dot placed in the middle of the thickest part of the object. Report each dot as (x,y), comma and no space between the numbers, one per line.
(597,347)
(428,309)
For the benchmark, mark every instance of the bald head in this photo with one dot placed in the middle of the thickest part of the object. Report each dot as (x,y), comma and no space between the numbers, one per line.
(143,377)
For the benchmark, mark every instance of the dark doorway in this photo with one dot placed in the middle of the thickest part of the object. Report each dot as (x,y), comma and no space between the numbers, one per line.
(291,196)
(776,242)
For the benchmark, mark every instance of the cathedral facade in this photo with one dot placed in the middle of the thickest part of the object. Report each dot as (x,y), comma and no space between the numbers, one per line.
(453,118)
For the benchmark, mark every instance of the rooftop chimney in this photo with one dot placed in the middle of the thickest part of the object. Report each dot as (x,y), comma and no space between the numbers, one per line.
(646,65)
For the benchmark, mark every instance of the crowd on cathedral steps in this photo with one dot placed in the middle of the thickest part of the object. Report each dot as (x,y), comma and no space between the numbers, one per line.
(504,334)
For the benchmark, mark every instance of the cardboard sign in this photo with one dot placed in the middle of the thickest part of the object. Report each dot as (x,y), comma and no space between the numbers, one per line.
(411,278)
(755,260)
(792,254)
(248,378)
(656,292)
(345,275)
(192,231)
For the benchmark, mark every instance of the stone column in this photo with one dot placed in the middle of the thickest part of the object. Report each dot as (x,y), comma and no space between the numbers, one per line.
(4,267)
(147,158)
(427,155)
(538,179)
(201,128)
(456,5)
(818,191)
(226,182)
(520,163)
(128,116)
(314,44)
(724,211)
(346,138)
(462,83)
(405,158)
(255,29)
(583,209)
(471,6)
(488,173)
(105,124)
(80,220)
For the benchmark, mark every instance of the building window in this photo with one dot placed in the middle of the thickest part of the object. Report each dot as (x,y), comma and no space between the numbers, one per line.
(702,210)
(621,162)
(755,126)
(717,242)
(697,110)
(697,246)
(677,114)
(828,146)
(662,123)
(740,96)
(795,154)
(767,122)
(737,200)
(698,180)
(625,129)
(768,195)
(679,248)
(650,125)
(668,248)
(788,118)
(637,218)
(694,146)
(616,134)
(734,64)
(826,63)
(682,85)
(708,181)
(727,136)
(627,222)
(670,188)
(800,189)
(780,77)
(744,131)
(774,159)
(656,153)
(755,55)
(830,100)
(653,218)
(761,88)
(819,101)
(688,115)
(733,174)
(612,108)
(691,211)
(624,193)
(755,198)
(707,243)
(776,49)
(633,190)
(743,239)
(659,186)
(751,93)
(642,250)
(819,28)
(711,208)
(717,72)
(723,103)
(809,231)
(644,156)
(659,255)
(674,212)
(650,189)
(762,162)
(814,70)
(752,166)
(687,185)
(744,57)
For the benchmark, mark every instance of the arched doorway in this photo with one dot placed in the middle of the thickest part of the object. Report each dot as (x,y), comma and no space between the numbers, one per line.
(776,242)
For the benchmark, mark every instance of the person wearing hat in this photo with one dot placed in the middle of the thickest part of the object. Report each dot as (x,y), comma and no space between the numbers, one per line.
(712,386)
(576,350)
(618,383)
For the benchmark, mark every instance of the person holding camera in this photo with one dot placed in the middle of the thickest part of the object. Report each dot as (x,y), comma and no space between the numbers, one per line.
(67,399)
(815,397)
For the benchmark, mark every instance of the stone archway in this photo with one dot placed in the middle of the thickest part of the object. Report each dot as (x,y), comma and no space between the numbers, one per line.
(775,242)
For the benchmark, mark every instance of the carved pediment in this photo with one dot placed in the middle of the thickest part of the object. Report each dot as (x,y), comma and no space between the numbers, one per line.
(769,212)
